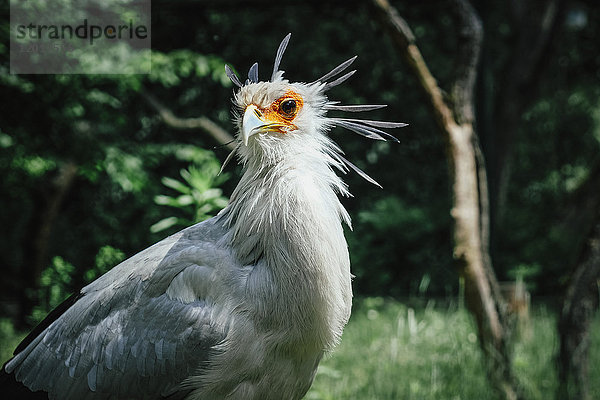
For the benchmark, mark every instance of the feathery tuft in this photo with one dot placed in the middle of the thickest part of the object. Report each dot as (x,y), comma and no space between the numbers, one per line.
(279,55)
(359,171)
(336,71)
(334,106)
(232,76)
(338,81)
(253,73)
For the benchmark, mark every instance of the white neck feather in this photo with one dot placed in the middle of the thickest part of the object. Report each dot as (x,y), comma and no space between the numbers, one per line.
(285,217)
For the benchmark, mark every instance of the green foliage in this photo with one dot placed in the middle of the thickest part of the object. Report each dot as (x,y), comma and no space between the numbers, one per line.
(55,286)
(106,258)
(34,166)
(401,233)
(198,196)
(401,244)
(556,154)
(56,282)
(125,169)
(101,124)
(9,339)
(170,69)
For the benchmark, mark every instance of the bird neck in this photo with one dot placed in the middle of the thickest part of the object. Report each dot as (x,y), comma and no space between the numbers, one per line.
(286,196)
(286,219)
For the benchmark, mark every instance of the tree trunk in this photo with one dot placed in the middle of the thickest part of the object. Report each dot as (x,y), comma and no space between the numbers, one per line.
(579,216)
(579,308)
(482,292)
(469,189)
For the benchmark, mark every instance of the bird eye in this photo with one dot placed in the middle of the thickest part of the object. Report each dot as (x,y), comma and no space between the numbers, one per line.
(288,107)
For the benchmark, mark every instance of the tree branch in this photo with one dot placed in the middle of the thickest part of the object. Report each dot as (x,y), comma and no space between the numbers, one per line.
(202,123)
(470,37)
(400,32)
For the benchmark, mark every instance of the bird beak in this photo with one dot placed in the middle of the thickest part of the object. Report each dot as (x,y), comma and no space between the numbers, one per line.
(251,123)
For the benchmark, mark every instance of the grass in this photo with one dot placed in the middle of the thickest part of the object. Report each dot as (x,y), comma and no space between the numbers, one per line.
(392,351)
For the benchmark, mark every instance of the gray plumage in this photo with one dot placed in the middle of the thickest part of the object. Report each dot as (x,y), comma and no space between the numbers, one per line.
(279,55)
(242,306)
(337,70)
(253,73)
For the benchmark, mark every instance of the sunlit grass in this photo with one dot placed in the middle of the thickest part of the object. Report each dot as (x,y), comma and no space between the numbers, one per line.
(392,351)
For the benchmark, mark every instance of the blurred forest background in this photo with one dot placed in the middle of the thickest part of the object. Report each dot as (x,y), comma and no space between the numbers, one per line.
(97,167)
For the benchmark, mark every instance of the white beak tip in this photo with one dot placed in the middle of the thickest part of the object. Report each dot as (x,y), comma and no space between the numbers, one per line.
(251,123)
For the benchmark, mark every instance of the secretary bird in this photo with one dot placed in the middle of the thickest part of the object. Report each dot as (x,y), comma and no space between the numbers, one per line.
(241,306)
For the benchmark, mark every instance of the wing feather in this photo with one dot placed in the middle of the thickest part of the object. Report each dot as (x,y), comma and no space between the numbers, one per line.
(124,332)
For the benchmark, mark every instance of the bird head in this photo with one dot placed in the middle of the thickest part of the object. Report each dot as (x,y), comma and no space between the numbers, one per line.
(277,118)
(272,115)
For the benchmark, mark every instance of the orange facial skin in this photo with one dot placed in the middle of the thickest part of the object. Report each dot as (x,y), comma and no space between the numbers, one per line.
(282,111)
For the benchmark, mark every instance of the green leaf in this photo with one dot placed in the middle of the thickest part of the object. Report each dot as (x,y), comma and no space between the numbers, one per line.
(163,224)
(200,197)
(125,169)
(163,200)
(175,185)
(184,200)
